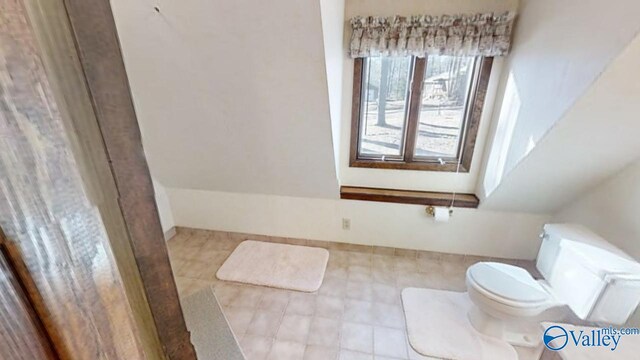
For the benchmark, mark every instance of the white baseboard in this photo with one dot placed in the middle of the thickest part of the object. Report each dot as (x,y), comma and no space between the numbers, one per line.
(170,233)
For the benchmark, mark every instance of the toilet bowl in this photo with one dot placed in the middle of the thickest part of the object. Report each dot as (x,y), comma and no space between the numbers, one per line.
(510,303)
(582,274)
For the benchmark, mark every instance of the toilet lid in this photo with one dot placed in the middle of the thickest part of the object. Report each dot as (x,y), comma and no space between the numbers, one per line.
(507,281)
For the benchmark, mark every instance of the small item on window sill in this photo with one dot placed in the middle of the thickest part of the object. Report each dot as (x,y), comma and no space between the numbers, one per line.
(439,213)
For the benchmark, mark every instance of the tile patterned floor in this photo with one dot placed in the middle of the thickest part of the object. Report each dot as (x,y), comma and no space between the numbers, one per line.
(356,314)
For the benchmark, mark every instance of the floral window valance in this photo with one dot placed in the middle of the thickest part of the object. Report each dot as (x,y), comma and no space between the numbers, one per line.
(472,35)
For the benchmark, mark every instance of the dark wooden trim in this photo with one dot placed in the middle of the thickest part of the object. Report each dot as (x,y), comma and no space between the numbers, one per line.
(413,118)
(356,108)
(472,124)
(412,165)
(106,79)
(475,112)
(409,197)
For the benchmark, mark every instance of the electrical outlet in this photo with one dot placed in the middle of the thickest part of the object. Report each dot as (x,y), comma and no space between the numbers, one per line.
(346,224)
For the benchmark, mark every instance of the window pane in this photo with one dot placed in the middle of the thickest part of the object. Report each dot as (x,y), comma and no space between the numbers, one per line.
(384,94)
(447,80)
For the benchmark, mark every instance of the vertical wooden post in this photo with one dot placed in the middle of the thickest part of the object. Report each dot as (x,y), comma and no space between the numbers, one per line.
(101,58)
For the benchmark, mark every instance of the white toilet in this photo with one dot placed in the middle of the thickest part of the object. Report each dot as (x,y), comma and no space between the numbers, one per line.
(581,273)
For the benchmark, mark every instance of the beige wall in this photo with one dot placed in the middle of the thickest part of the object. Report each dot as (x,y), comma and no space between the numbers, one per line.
(417,7)
(231,95)
(611,209)
(164,207)
(500,234)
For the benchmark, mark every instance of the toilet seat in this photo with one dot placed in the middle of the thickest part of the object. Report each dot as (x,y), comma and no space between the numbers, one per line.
(507,284)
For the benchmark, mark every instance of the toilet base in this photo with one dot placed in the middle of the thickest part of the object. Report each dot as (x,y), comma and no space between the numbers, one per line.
(522,333)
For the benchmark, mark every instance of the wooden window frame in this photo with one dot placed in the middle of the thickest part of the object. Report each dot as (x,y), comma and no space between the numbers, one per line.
(473,114)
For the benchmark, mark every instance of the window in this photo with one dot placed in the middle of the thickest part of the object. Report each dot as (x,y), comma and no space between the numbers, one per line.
(417,113)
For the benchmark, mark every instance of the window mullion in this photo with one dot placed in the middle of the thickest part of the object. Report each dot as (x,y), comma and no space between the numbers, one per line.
(415,97)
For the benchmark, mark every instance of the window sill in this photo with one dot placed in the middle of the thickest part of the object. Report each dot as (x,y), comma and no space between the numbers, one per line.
(401,165)
(409,197)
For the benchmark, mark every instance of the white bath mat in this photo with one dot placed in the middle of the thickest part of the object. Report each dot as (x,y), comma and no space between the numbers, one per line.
(283,266)
(437,327)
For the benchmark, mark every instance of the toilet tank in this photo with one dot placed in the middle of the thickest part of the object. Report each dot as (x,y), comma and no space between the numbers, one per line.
(598,281)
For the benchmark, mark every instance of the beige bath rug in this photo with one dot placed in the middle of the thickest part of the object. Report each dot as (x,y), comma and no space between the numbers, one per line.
(437,326)
(283,266)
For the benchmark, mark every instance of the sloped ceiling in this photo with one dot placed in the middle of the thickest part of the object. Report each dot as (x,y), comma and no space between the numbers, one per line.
(566,119)
(596,138)
(231,95)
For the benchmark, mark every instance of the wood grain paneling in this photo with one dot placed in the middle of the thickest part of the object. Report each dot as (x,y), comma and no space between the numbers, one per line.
(22,334)
(409,197)
(49,213)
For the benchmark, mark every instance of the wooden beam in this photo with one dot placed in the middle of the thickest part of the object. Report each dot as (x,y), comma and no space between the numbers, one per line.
(409,197)
(98,47)
(84,284)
